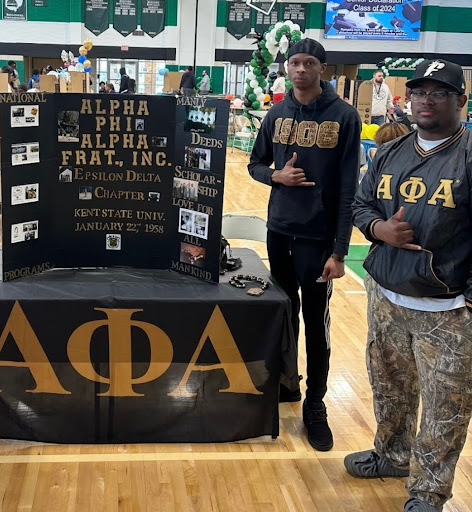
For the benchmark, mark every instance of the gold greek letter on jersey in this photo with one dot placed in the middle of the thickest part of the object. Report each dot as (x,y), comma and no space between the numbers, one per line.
(413,189)
(307,131)
(444,193)
(384,187)
(328,134)
(288,132)
(278,123)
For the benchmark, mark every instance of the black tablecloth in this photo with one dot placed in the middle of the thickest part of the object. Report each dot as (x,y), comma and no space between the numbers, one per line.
(77,345)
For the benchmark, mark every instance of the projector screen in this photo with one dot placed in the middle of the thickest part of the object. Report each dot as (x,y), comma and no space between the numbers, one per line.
(373,19)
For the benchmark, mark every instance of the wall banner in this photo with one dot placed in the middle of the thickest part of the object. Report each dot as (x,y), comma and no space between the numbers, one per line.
(125,16)
(239,19)
(14,10)
(153,16)
(96,16)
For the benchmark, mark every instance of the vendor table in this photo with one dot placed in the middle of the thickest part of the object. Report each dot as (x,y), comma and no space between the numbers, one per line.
(123,355)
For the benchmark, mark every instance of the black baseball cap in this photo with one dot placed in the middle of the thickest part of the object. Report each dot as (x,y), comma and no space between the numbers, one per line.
(441,71)
(309,46)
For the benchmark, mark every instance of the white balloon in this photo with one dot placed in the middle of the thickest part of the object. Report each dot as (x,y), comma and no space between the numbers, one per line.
(278,25)
(289,23)
(257,90)
(254,84)
(72,68)
(296,26)
(260,98)
(283,45)
(251,75)
(79,67)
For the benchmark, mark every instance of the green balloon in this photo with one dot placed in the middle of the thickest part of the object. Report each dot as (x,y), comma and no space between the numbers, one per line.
(257,71)
(252,97)
(253,63)
(296,38)
(255,105)
(262,44)
(285,28)
(279,33)
(269,60)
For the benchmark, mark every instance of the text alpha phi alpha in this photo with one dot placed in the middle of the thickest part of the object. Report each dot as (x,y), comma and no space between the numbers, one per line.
(120,380)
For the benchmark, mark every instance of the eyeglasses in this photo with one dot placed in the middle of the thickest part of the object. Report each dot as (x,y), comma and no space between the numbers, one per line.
(436,96)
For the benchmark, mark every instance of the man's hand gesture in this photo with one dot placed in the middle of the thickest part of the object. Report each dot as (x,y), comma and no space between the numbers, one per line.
(291,176)
(395,231)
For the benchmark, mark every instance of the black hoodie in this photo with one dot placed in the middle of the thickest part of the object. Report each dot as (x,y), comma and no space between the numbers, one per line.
(325,134)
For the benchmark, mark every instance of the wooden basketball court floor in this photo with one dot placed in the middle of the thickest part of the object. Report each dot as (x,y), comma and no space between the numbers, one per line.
(262,474)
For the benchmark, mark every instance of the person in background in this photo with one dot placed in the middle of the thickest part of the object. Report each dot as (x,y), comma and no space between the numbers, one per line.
(398,114)
(102,87)
(279,87)
(44,71)
(312,137)
(23,88)
(16,81)
(382,100)
(204,87)
(333,81)
(124,81)
(109,88)
(389,131)
(33,82)
(188,82)
(415,206)
(11,77)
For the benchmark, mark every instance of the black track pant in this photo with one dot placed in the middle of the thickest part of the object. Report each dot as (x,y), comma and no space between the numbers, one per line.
(297,263)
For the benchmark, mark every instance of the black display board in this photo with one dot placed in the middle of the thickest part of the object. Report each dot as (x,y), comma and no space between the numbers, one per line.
(264,21)
(295,13)
(96,16)
(239,19)
(106,180)
(125,16)
(153,16)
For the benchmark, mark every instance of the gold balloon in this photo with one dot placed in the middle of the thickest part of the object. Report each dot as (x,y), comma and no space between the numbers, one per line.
(88,44)
(87,64)
(83,50)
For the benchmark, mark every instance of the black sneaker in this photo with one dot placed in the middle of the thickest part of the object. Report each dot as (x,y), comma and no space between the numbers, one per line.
(316,422)
(368,464)
(417,505)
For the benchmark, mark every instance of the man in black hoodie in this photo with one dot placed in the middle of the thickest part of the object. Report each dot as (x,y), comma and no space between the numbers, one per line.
(312,137)
(188,82)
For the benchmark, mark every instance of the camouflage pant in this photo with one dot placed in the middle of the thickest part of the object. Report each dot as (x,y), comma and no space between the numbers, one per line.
(412,353)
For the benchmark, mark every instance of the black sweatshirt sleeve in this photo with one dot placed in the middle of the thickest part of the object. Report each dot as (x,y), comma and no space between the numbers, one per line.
(262,156)
(348,177)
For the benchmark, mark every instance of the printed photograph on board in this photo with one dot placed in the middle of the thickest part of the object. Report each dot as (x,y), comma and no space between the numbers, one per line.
(193,223)
(22,194)
(192,254)
(185,189)
(24,116)
(200,119)
(158,142)
(85,193)
(113,242)
(68,126)
(24,231)
(139,125)
(65,174)
(197,158)
(154,196)
(25,153)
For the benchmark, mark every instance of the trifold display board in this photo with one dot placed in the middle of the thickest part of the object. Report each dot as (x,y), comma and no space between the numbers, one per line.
(96,180)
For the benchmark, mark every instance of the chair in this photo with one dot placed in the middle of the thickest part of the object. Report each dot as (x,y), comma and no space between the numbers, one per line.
(244,227)
(244,133)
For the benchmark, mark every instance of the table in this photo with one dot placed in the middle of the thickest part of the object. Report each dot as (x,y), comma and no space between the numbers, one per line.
(128,355)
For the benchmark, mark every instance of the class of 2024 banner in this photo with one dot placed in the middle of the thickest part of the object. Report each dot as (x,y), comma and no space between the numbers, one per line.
(373,19)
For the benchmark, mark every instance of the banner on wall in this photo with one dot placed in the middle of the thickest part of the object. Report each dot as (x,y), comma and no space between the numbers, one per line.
(239,19)
(264,21)
(373,19)
(14,10)
(153,16)
(39,3)
(125,16)
(96,16)
(295,13)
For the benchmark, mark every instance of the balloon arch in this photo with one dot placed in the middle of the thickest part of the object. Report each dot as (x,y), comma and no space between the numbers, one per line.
(275,40)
